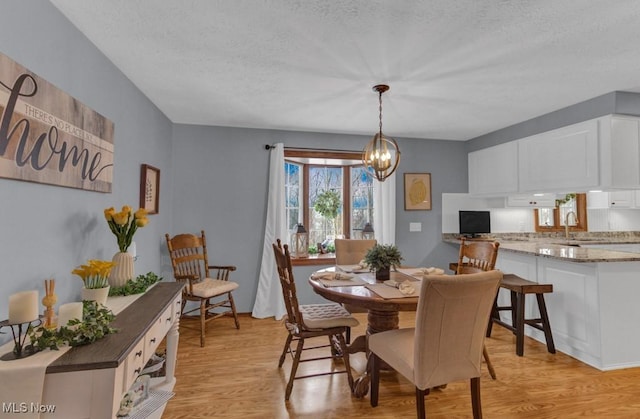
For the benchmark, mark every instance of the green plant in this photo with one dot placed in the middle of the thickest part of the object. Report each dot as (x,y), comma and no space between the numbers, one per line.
(327,204)
(95,323)
(135,286)
(382,256)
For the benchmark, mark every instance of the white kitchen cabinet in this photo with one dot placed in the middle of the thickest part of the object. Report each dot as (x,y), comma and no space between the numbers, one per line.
(620,151)
(493,171)
(592,310)
(562,160)
(614,199)
(532,201)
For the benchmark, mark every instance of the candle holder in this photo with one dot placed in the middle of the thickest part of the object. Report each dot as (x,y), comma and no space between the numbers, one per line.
(19,339)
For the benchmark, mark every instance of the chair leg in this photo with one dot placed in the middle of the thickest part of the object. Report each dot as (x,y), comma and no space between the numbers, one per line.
(546,327)
(375,378)
(348,334)
(294,368)
(485,354)
(495,314)
(285,350)
(233,310)
(475,398)
(203,315)
(345,358)
(519,323)
(420,407)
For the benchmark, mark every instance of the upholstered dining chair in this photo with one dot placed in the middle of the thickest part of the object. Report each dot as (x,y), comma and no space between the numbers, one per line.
(190,263)
(446,343)
(309,321)
(478,256)
(351,252)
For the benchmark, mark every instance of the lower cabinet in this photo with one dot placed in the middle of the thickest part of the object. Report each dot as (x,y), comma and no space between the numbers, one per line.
(592,310)
(90,381)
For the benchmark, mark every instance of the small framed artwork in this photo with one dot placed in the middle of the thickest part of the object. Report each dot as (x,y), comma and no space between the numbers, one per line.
(150,189)
(417,191)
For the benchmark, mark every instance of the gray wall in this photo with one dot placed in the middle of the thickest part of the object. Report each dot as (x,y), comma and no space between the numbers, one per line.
(221,182)
(625,103)
(46,230)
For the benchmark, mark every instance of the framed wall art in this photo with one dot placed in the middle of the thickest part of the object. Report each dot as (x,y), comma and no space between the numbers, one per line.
(150,189)
(417,191)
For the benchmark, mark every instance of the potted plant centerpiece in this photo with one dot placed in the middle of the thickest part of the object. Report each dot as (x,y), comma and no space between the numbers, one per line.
(95,279)
(124,225)
(380,258)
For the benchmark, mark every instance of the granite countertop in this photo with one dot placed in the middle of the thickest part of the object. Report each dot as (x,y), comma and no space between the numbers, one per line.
(570,251)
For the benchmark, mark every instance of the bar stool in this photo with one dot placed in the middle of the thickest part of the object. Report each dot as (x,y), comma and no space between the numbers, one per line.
(519,287)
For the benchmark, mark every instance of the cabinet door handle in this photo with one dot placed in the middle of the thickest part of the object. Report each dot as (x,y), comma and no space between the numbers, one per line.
(168,319)
(139,353)
(153,340)
(137,370)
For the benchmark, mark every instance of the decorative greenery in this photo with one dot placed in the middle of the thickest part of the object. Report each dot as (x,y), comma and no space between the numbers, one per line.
(135,286)
(568,197)
(95,274)
(125,223)
(382,256)
(94,326)
(327,204)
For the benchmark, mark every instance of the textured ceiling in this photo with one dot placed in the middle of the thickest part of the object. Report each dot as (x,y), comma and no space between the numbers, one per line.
(457,69)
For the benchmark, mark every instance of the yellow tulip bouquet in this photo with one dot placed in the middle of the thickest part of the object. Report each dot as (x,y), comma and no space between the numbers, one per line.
(125,223)
(95,274)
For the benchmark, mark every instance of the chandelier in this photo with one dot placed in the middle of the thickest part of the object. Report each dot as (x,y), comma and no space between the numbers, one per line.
(381,155)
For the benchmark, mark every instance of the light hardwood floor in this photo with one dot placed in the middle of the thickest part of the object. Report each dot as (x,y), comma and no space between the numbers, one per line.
(236,375)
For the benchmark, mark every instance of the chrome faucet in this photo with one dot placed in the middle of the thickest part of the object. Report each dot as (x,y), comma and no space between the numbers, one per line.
(566,223)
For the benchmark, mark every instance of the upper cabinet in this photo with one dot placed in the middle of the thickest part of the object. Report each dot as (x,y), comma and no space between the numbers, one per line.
(561,160)
(602,153)
(620,151)
(494,170)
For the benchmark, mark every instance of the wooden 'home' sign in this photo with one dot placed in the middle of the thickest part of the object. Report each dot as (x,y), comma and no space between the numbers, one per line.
(47,136)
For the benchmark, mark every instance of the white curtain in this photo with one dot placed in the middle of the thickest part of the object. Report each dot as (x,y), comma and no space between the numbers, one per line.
(269,301)
(384,204)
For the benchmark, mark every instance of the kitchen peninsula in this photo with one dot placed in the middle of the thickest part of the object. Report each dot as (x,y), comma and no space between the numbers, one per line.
(593,309)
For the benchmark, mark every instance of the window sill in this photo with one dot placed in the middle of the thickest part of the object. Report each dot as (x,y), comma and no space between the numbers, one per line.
(324,259)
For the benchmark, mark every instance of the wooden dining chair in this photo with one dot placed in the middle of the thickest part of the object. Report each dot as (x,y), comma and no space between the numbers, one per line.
(190,263)
(310,321)
(478,256)
(446,343)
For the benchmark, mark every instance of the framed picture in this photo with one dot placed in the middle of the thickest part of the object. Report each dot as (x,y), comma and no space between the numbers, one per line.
(150,189)
(417,191)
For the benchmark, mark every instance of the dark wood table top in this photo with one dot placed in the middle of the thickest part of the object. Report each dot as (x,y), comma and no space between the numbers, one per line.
(361,296)
(132,323)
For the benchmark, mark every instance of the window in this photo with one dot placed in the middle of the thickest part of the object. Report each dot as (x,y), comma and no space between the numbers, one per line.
(553,219)
(330,193)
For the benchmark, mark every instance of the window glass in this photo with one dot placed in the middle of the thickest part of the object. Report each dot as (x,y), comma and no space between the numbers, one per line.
(323,182)
(361,200)
(292,183)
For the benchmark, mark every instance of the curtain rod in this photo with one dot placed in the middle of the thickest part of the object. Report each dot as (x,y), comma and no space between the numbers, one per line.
(269,147)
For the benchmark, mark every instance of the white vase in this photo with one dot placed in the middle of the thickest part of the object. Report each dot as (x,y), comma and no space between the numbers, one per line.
(123,269)
(98,295)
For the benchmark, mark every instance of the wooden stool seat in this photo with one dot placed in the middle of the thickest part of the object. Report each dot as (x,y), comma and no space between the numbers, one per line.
(519,287)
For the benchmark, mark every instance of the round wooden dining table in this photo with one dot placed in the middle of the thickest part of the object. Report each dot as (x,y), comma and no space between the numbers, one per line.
(383,314)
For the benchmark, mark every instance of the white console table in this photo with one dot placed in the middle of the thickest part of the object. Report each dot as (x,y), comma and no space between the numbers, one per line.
(89,381)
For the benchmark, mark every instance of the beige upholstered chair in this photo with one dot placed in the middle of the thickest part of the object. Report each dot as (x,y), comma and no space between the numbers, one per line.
(310,321)
(446,343)
(478,256)
(351,252)
(190,264)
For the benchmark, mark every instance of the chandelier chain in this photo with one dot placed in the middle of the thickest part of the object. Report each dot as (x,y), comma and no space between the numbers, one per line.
(380,110)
